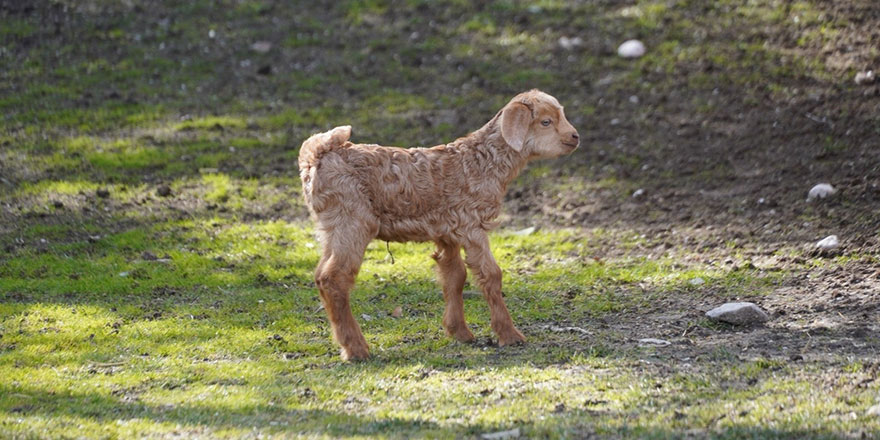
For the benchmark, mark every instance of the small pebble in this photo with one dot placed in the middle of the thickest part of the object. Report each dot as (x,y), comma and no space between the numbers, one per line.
(653,342)
(865,78)
(638,193)
(828,243)
(570,43)
(820,191)
(261,46)
(527,231)
(501,435)
(631,49)
(57,205)
(102,193)
(163,191)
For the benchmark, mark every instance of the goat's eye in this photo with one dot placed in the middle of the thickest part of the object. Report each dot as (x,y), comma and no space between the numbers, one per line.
(545,122)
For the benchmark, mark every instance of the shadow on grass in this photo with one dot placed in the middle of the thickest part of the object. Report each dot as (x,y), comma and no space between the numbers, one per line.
(286,419)
(274,419)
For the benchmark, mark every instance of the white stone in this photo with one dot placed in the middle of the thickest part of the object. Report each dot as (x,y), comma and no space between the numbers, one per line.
(820,191)
(261,46)
(828,243)
(631,49)
(500,435)
(639,192)
(570,43)
(863,78)
(697,281)
(874,411)
(738,313)
(653,342)
(527,231)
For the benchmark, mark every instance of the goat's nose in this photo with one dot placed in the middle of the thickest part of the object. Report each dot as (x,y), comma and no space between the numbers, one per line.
(575,136)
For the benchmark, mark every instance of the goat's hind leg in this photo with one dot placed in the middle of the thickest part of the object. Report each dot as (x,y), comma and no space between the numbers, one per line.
(344,248)
(452,275)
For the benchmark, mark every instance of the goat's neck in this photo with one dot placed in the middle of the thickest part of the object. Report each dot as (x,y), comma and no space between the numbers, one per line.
(498,162)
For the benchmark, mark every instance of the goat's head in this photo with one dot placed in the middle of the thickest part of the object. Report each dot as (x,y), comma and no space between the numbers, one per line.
(534,123)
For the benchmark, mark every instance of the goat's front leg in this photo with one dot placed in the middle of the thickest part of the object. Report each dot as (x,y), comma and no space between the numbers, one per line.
(452,275)
(488,275)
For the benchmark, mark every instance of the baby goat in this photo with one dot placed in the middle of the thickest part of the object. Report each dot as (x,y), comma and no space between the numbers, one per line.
(449,194)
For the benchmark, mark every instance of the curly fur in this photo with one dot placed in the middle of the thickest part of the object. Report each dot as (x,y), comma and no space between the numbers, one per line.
(449,194)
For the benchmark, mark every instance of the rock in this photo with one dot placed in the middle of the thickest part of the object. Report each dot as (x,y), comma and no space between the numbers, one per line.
(570,43)
(527,231)
(57,204)
(874,411)
(397,312)
(102,193)
(638,193)
(820,191)
(149,256)
(366,317)
(828,243)
(631,49)
(500,435)
(738,313)
(261,46)
(697,281)
(163,191)
(865,78)
(653,342)
(265,69)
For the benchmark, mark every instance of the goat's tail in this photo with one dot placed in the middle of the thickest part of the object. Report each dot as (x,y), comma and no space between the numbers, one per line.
(311,151)
(319,144)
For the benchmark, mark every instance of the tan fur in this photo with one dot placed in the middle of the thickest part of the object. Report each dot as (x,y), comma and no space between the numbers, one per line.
(449,194)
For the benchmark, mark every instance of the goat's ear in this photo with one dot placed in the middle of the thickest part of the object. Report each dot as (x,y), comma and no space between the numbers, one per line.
(515,121)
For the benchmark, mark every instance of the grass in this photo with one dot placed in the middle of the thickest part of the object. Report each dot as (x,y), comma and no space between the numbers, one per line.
(222,335)
(128,313)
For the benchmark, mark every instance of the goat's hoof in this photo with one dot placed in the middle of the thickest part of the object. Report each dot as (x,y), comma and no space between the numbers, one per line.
(512,337)
(462,335)
(355,354)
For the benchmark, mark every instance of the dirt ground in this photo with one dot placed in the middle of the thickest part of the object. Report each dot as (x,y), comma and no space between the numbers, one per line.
(722,167)
(749,210)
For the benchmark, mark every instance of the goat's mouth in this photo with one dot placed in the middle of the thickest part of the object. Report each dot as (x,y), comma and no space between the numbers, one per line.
(570,146)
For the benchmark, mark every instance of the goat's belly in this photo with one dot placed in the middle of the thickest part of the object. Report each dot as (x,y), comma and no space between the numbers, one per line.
(403,230)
